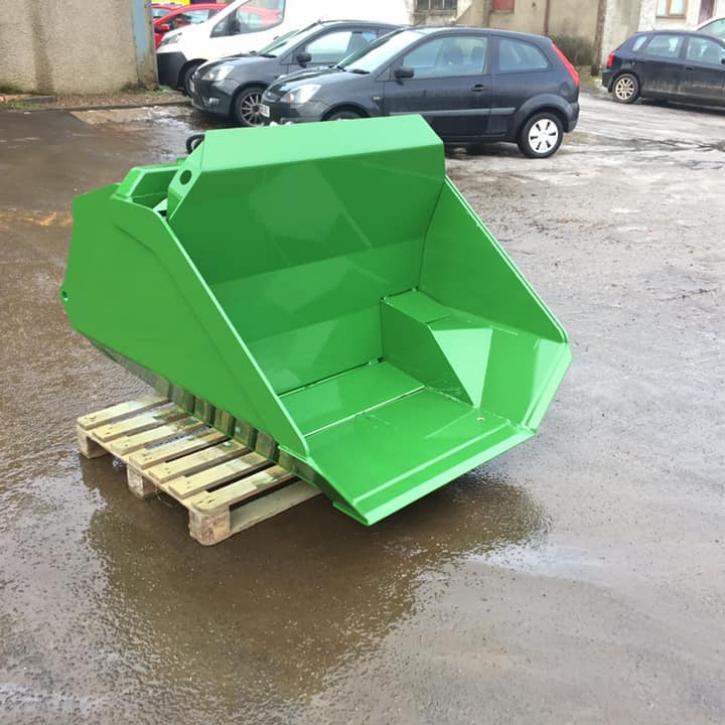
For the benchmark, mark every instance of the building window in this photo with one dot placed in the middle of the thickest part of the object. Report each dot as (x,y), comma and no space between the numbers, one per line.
(436,6)
(671,8)
(503,6)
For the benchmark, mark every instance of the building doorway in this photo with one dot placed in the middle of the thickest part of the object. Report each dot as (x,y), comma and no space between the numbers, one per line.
(707,8)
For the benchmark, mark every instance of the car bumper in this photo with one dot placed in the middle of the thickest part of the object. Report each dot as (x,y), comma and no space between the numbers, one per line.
(572,116)
(211,97)
(285,113)
(169,66)
(607,78)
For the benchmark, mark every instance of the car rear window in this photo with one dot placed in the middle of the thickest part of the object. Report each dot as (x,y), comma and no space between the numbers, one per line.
(639,41)
(515,56)
(664,46)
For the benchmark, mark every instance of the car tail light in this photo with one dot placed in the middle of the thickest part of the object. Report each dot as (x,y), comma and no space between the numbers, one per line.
(610,60)
(567,64)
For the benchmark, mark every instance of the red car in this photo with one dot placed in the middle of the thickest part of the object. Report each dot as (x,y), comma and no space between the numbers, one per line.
(181,15)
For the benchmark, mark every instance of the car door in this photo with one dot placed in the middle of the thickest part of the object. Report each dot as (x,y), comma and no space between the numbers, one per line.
(521,70)
(332,46)
(704,73)
(660,65)
(253,22)
(450,86)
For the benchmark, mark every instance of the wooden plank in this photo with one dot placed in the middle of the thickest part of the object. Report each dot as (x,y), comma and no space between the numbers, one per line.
(270,505)
(195,441)
(163,472)
(117,412)
(185,486)
(223,498)
(122,447)
(138,423)
(211,528)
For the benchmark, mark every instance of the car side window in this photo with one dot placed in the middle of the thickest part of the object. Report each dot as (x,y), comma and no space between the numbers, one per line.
(703,50)
(515,56)
(664,46)
(448,57)
(263,15)
(716,27)
(333,47)
(190,17)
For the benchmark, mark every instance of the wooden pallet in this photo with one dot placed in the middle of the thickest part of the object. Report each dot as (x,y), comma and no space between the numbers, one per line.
(225,486)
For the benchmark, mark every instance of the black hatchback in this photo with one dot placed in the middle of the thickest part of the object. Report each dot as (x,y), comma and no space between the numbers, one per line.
(669,66)
(233,87)
(472,85)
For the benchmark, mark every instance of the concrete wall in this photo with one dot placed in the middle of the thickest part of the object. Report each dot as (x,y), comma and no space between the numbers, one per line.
(75,46)
(574,18)
(621,20)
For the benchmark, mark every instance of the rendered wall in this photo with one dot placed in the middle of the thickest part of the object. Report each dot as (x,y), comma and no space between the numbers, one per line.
(76,46)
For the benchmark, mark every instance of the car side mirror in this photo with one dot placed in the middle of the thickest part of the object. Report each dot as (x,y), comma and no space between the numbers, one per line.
(303,58)
(404,72)
(163,28)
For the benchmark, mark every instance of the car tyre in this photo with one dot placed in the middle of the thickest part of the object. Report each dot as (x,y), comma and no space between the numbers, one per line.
(625,88)
(541,136)
(346,114)
(246,110)
(186,77)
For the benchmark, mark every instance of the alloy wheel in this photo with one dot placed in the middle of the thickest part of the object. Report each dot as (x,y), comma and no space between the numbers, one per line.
(624,88)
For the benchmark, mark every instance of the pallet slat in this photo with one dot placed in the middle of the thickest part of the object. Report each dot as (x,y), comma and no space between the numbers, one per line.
(185,486)
(138,423)
(163,472)
(195,441)
(207,503)
(117,412)
(122,447)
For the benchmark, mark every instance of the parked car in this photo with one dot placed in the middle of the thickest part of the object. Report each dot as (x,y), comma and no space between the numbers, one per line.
(233,87)
(472,85)
(247,25)
(183,15)
(159,10)
(714,26)
(668,65)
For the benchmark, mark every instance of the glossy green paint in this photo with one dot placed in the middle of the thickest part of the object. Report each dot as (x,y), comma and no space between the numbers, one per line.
(327,286)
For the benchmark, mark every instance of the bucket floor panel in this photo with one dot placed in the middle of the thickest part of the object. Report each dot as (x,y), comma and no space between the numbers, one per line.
(344,396)
(422,434)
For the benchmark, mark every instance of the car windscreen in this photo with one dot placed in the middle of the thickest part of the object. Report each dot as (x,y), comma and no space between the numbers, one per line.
(279,46)
(380,52)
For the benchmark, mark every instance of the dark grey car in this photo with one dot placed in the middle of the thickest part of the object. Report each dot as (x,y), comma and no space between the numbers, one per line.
(233,87)
(472,85)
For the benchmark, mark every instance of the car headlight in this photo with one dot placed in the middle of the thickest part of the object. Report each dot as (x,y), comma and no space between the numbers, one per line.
(219,72)
(169,40)
(301,94)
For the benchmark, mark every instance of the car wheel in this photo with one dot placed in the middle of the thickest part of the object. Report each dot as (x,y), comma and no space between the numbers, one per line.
(247,107)
(345,115)
(186,77)
(626,88)
(541,136)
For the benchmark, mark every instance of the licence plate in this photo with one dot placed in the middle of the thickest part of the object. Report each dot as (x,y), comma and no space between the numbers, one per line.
(264,110)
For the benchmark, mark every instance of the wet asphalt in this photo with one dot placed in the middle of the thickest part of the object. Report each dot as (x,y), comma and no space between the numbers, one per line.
(577,578)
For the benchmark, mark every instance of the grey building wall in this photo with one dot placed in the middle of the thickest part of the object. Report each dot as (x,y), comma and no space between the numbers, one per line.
(76,46)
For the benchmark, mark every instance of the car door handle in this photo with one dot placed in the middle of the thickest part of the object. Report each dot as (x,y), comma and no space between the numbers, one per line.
(478,88)
(689,67)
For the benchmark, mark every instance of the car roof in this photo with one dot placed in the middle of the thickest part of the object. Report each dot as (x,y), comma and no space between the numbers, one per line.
(467,29)
(688,33)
